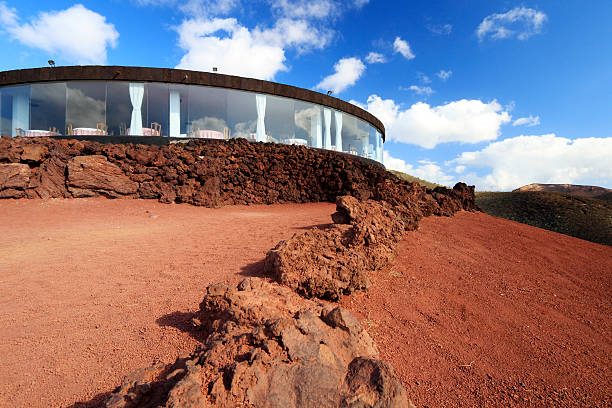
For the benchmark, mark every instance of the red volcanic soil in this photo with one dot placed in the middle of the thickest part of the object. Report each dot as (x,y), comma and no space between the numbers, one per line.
(481,311)
(94,289)
(475,311)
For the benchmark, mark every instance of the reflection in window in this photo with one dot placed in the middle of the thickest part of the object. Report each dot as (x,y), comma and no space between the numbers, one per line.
(48,109)
(280,121)
(242,115)
(355,133)
(158,111)
(86,107)
(208,112)
(15,110)
(307,123)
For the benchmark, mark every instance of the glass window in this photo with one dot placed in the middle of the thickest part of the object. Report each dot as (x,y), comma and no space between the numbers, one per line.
(280,119)
(355,135)
(48,108)
(308,123)
(158,109)
(242,114)
(178,110)
(85,106)
(119,108)
(208,112)
(15,110)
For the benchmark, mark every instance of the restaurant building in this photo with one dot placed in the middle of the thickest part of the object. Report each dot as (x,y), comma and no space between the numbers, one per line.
(113,101)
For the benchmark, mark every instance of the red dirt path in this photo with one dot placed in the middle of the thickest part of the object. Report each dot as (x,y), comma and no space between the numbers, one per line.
(476,311)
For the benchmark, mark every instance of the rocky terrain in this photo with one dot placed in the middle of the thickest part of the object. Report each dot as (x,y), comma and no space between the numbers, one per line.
(585,191)
(264,345)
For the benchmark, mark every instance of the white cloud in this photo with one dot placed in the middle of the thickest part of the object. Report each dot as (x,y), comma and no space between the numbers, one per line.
(196,8)
(520,22)
(317,9)
(528,121)
(347,72)
(522,160)
(423,78)
(425,170)
(402,47)
(440,29)
(77,34)
(444,75)
(421,90)
(464,121)
(360,3)
(375,58)
(224,43)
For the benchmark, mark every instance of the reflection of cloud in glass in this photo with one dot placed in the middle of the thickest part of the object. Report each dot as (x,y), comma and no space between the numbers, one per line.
(245,129)
(209,123)
(303,117)
(84,110)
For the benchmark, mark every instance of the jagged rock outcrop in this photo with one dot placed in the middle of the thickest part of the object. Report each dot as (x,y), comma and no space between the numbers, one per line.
(89,176)
(14,180)
(212,173)
(268,347)
(327,263)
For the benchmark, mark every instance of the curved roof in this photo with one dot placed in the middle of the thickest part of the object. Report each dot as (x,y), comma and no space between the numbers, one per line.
(180,76)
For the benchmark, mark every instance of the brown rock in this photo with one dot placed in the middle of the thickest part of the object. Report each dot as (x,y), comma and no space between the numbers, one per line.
(268,347)
(94,175)
(34,153)
(51,177)
(14,179)
(335,261)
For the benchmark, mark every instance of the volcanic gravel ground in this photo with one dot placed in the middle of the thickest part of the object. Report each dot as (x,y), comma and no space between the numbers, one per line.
(480,311)
(93,289)
(475,311)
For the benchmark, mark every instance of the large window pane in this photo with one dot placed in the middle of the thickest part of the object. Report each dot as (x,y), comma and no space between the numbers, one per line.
(208,112)
(15,110)
(119,108)
(280,119)
(158,110)
(86,107)
(307,123)
(355,135)
(242,114)
(48,108)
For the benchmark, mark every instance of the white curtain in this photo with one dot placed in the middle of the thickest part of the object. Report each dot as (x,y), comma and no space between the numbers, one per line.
(261,116)
(21,112)
(379,155)
(327,117)
(338,117)
(175,114)
(315,128)
(136,95)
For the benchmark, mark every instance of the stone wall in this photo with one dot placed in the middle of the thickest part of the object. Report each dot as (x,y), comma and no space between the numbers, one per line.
(209,173)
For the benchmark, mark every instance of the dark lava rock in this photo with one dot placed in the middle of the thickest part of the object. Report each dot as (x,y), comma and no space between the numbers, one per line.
(268,347)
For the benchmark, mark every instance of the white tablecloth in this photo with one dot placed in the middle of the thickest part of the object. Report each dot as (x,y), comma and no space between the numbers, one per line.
(299,142)
(87,132)
(208,134)
(37,133)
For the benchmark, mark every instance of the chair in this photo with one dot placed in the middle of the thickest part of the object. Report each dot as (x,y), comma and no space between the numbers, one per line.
(123,129)
(155,129)
(227,133)
(19,132)
(53,131)
(69,131)
(100,129)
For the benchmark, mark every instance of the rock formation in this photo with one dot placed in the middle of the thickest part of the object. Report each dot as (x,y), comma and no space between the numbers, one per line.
(209,173)
(331,262)
(268,347)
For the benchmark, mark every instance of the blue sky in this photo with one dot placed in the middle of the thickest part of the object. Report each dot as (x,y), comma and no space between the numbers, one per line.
(495,93)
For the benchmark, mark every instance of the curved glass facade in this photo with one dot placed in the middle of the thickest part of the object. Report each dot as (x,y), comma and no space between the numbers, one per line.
(114,108)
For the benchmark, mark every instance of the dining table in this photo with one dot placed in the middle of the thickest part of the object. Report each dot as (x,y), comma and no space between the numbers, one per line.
(84,131)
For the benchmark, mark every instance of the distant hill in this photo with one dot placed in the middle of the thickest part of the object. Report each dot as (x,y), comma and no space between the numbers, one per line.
(585,191)
(581,217)
(408,177)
